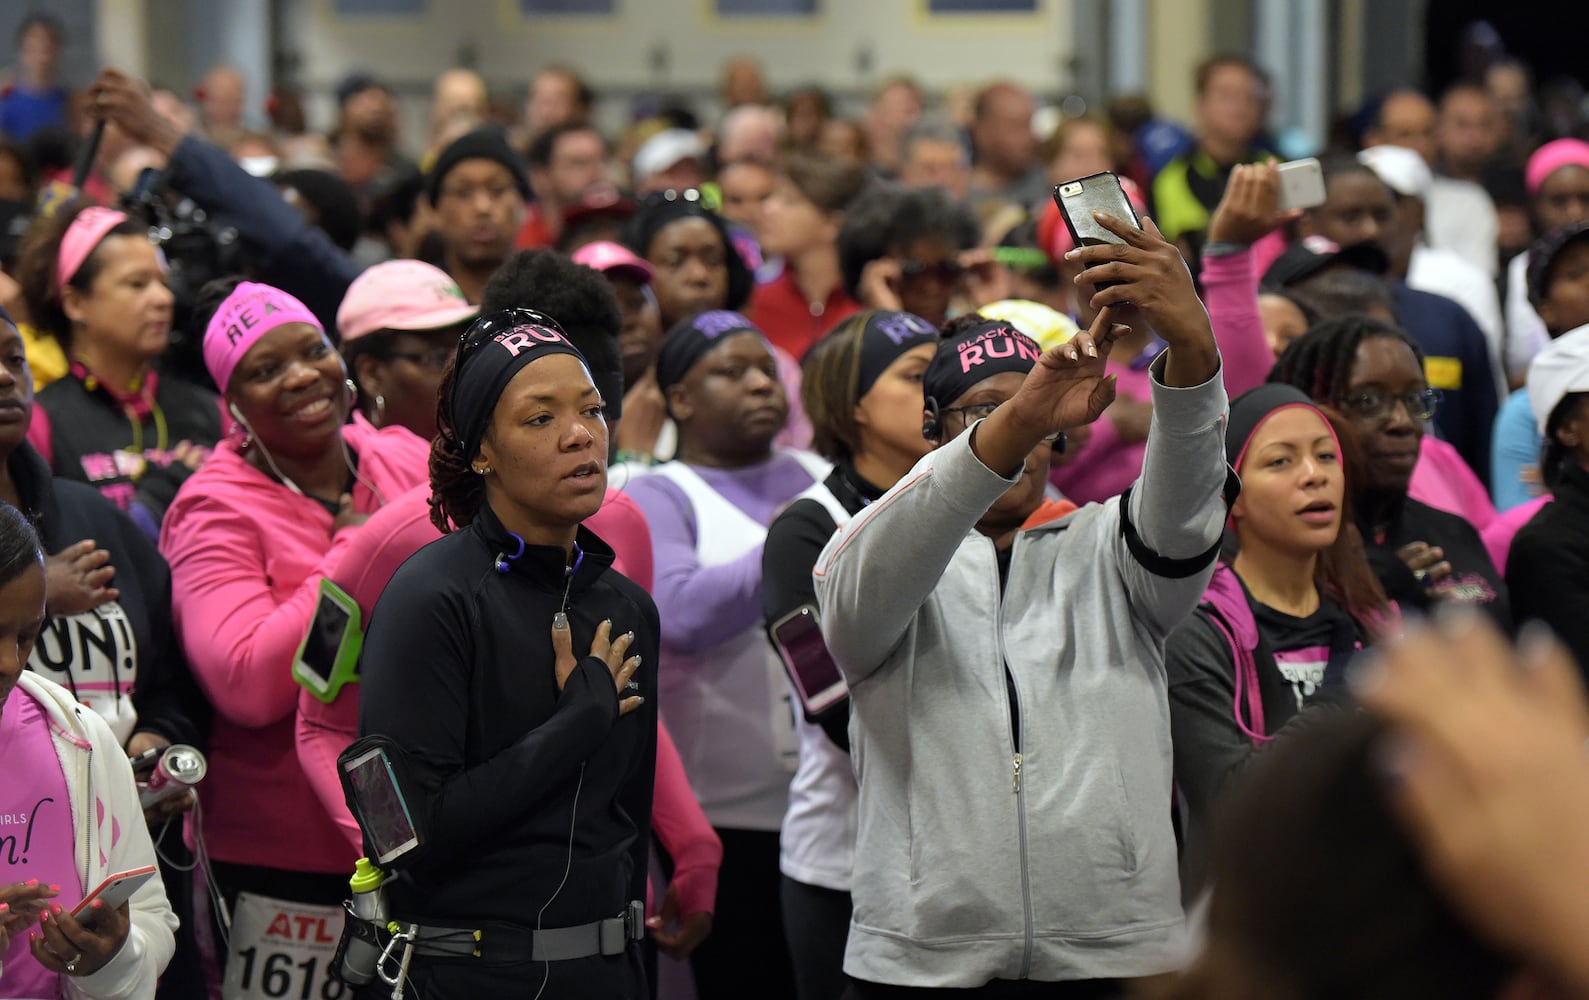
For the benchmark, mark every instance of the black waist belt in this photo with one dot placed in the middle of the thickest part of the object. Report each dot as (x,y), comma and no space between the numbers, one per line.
(510,945)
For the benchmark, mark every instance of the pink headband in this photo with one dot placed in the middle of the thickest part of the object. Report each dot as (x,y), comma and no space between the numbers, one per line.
(250,312)
(1241,455)
(82,236)
(1551,157)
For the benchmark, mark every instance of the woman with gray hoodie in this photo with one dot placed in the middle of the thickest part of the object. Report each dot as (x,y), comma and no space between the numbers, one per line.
(1010,725)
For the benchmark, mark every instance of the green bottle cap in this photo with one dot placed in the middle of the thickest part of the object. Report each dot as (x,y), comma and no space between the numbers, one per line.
(366,877)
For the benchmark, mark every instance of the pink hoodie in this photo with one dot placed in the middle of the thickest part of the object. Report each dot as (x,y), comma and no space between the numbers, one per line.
(1106,465)
(385,541)
(246,556)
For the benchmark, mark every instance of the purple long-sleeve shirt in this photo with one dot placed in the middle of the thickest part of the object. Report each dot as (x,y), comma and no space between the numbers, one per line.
(701,606)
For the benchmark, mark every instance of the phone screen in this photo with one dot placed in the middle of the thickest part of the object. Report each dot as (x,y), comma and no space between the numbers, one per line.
(320,647)
(383,814)
(1078,199)
(799,641)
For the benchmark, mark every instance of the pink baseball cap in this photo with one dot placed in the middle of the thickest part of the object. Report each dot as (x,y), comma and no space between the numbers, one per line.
(611,258)
(401,295)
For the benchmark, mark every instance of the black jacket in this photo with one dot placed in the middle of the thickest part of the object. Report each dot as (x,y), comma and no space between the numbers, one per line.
(90,434)
(795,539)
(278,244)
(92,648)
(1548,567)
(457,667)
(1453,343)
(1473,581)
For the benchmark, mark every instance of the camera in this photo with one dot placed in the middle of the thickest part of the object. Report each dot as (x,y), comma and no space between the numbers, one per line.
(197,249)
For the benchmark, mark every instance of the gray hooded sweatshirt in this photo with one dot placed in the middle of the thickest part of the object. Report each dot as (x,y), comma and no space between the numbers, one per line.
(1055,860)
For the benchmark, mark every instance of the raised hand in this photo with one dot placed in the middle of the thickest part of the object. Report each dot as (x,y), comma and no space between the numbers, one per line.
(1250,209)
(1153,277)
(1068,387)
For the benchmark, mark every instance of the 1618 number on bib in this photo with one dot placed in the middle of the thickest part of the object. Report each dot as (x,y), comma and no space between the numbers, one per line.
(282,950)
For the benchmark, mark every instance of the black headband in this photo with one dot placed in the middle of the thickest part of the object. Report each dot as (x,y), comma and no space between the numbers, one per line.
(690,341)
(886,336)
(1249,410)
(985,350)
(493,350)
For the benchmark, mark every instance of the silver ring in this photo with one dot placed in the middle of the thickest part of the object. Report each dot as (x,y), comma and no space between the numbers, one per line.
(71,963)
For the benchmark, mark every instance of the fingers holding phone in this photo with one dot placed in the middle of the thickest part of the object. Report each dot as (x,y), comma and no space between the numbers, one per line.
(81,945)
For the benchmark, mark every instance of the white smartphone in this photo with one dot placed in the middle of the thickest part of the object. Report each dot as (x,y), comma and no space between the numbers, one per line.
(114,891)
(379,805)
(798,638)
(1301,184)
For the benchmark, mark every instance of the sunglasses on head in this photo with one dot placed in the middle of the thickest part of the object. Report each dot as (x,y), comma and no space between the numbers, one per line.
(488,326)
(691,196)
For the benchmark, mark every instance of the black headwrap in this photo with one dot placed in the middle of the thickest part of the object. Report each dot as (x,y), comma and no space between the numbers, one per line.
(690,340)
(981,352)
(1249,410)
(886,336)
(496,347)
(660,210)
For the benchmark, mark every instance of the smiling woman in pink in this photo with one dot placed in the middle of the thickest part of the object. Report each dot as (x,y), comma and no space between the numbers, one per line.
(249,538)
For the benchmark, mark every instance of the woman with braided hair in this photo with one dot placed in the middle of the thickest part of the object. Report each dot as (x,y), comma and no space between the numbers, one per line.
(1373,374)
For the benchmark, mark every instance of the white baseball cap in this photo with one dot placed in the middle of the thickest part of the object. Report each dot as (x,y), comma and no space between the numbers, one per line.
(1558,371)
(1402,169)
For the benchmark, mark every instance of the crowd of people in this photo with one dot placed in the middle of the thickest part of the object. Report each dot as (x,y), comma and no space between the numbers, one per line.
(775,556)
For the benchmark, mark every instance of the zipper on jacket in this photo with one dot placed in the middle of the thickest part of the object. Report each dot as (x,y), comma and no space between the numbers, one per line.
(1015,781)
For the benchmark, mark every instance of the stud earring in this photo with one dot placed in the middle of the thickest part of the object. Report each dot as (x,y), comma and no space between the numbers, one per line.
(482,470)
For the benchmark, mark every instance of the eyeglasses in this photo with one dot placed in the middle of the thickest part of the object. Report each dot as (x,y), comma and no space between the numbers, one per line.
(434,359)
(487,327)
(945,271)
(970,414)
(1377,404)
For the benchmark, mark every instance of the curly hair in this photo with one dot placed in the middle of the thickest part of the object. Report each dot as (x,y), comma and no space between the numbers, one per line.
(36,259)
(456,492)
(887,217)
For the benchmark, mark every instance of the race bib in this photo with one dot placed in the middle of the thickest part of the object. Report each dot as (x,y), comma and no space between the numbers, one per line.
(282,949)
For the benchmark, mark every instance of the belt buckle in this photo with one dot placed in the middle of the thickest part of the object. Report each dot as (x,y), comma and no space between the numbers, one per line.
(634,920)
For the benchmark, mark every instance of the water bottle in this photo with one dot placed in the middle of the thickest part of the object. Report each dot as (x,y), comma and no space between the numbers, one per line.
(369,906)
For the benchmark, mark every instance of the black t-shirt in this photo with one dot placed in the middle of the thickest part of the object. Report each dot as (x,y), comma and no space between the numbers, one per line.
(1310,654)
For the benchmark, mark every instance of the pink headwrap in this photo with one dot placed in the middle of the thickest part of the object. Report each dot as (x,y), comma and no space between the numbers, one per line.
(250,312)
(1551,157)
(82,236)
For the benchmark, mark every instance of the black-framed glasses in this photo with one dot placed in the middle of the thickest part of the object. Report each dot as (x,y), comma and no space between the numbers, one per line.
(1376,404)
(946,271)
(434,359)
(973,412)
(489,326)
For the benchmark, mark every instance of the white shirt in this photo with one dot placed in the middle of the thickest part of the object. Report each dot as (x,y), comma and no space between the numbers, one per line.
(1459,216)
(1525,331)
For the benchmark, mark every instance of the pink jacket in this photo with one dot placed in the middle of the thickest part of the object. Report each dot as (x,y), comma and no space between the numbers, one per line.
(1498,534)
(246,556)
(385,541)
(1443,480)
(1106,465)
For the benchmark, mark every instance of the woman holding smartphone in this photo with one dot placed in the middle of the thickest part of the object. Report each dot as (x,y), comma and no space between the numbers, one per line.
(532,766)
(862,389)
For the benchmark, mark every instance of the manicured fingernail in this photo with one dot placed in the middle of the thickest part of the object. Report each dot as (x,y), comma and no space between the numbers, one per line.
(4,907)
(653,921)
(99,904)
(55,888)
(560,622)
(44,916)
(55,909)
(31,882)
(1072,253)
(1092,351)
(629,635)
(639,700)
